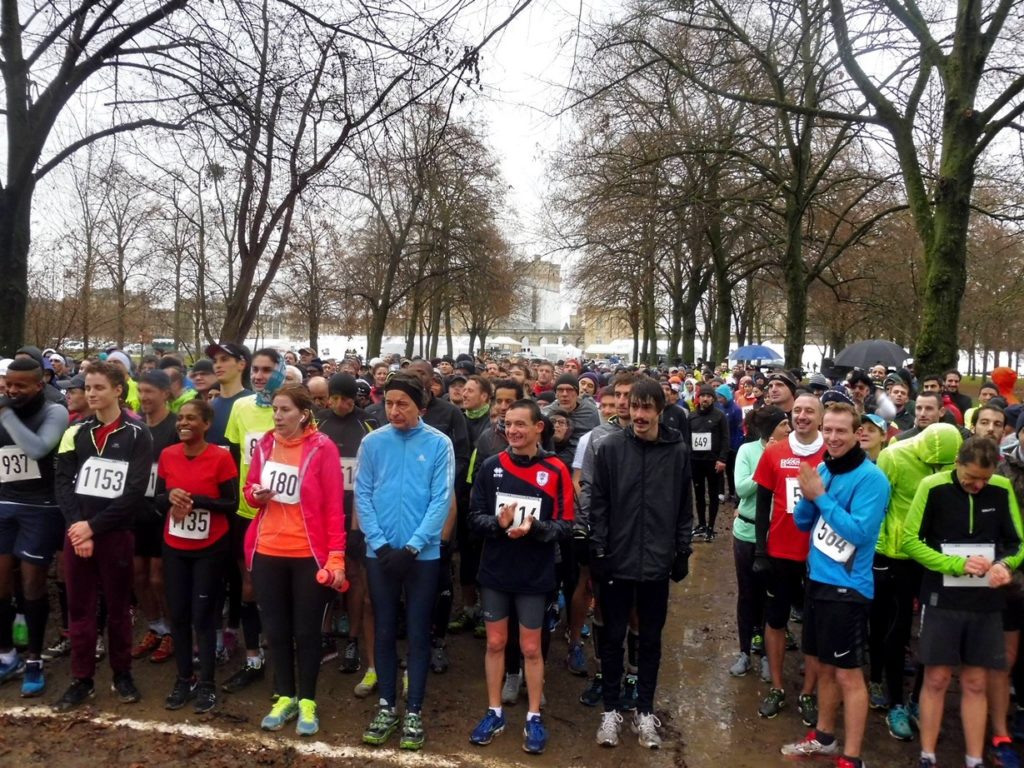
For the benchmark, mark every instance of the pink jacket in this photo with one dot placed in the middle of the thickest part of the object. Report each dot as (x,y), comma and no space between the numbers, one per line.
(321,493)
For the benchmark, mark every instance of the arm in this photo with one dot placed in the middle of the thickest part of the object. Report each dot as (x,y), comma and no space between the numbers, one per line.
(36,445)
(120,512)
(559,527)
(914,547)
(226,502)
(365,484)
(586,481)
(745,485)
(64,476)
(762,520)
(332,488)
(1011,548)
(441,484)
(684,519)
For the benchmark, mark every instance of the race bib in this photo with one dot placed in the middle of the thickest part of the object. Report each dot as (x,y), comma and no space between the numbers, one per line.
(526,506)
(830,543)
(701,441)
(283,480)
(793,494)
(195,525)
(966,550)
(151,485)
(103,478)
(348,473)
(251,439)
(15,465)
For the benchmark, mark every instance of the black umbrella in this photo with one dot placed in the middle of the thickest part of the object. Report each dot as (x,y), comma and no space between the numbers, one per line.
(864,354)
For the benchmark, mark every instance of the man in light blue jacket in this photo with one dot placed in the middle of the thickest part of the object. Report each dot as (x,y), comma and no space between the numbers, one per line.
(404,479)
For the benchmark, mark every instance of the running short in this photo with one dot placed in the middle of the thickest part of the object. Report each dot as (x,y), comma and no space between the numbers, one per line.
(31,532)
(783,587)
(836,632)
(951,638)
(530,609)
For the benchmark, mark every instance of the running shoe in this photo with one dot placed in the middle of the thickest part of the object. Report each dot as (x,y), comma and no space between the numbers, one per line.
(809,746)
(807,706)
(796,615)
(645,726)
(535,736)
(609,729)
(914,713)
(245,677)
(699,531)
(60,647)
(490,726)
(412,732)
(766,670)
(367,685)
(773,703)
(480,629)
(164,652)
(576,660)
(350,661)
(710,535)
(438,658)
(149,643)
(184,691)
(77,693)
(877,698)
(384,723)
(124,686)
(898,722)
(1003,755)
(328,649)
(206,698)
(285,709)
(307,722)
(924,762)
(464,621)
(585,631)
(593,694)
(510,690)
(12,669)
(627,703)
(844,762)
(33,683)
(741,666)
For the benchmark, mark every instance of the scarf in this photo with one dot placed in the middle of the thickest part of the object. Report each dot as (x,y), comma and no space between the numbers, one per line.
(799,449)
(476,413)
(848,462)
(265,398)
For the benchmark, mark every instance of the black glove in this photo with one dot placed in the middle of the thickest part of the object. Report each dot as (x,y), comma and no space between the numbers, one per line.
(680,567)
(401,562)
(762,565)
(384,555)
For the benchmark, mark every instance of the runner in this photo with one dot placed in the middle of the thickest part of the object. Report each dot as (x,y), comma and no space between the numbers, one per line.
(197,493)
(842,505)
(522,504)
(406,472)
(709,439)
(295,483)
(102,471)
(31,526)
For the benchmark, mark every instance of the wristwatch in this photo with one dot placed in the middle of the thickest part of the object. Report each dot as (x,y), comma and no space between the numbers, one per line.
(411,548)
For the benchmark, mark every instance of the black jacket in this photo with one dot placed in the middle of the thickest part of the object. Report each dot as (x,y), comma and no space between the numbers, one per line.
(640,512)
(715,423)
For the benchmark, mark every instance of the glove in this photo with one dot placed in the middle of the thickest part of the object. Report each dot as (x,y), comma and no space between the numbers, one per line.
(680,567)
(384,555)
(762,565)
(401,562)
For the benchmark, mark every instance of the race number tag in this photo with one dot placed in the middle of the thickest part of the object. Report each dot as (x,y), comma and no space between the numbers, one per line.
(251,439)
(103,478)
(348,473)
(830,543)
(151,485)
(793,494)
(195,525)
(15,465)
(966,550)
(526,506)
(283,480)
(702,441)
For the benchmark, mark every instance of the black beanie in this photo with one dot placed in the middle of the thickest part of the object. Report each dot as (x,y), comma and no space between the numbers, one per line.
(567,379)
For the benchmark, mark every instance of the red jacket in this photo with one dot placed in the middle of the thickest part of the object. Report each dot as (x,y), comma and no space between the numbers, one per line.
(321,493)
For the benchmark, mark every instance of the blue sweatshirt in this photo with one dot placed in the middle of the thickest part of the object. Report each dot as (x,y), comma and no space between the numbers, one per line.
(404,481)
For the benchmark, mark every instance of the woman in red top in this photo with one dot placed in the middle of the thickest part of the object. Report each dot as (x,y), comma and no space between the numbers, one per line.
(296,484)
(197,490)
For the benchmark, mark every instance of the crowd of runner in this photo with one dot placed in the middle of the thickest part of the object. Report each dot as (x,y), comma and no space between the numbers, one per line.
(251,503)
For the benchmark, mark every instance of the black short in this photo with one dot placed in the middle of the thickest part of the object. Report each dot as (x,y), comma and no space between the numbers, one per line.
(239,527)
(836,632)
(783,586)
(149,535)
(355,546)
(951,638)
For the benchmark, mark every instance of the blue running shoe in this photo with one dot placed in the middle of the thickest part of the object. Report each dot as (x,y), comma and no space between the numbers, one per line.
(1003,755)
(576,661)
(535,736)
(485,731)
(11,669)
(33,683)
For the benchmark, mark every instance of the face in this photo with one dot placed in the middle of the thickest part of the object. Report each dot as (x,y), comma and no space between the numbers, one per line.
(436,388)
(860,391)
(607,406)
(99,392)
(986,394)
(781,431)
(644,417)
(492,371)
(989,424)
(503,398)
(147,366)
(455,393)
(151,399)
(190,424)
(973,477)
(952,383)
(58,366)
(212,394)
(561,428)
(350,366)
(778,394)
(567,396)
(402,412)
(202,380)
(622,401)
(517,373)
(227,368)
(926,411)
(545,374)
(899,395)
(289,419)
(572,367)
(422,369)
(445,368)
(22,386)
(870,438)
(380,375)
(305,358)
(291,358)
(878,372)
(806,417)
(756,392)
(931,386)
(705,401)
(473,395)
(839,433)
(76,400)
(318,389)
(292,376)
(521,431)
(587,387)
(262,368)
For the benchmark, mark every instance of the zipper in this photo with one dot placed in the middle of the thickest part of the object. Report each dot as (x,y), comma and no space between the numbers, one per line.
(305,527)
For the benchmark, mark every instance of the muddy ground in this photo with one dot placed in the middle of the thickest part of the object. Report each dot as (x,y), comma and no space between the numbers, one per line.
(710,719)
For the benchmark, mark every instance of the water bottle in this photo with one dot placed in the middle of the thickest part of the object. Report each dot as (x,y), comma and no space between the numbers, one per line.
(20,631)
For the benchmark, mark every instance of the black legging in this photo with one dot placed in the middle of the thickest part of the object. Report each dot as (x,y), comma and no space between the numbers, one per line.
(293,605)
(706,479)
(897,583)
(749,594)
(194,582)
(445,596)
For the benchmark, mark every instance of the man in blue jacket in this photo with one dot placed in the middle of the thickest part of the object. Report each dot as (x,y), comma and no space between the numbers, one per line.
(404,478)
(843,504)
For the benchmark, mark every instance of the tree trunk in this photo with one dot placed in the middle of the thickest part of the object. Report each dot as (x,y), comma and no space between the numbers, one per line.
(15,237)
(448,331)
(795,275)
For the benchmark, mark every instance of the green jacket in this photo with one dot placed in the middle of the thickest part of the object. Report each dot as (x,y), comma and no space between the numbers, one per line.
(906,464)
(180,400)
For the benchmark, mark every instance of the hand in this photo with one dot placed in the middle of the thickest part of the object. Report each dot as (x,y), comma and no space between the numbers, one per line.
(977,565)
(999,575)
(400,563)
(179,498)
(261,494)
(84,549)
(762,565)
(719,466)
(79,533)
(179,513)
(811,486)
(680,567)
(506,514)
(384,555)
(522,529)
(339,579)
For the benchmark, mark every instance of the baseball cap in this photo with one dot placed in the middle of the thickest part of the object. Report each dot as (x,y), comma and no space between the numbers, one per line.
(202,365)
(229,348)
(876,420)
(75,382)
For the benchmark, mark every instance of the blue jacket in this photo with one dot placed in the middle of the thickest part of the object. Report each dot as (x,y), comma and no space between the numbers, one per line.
(404,481)
(853,506)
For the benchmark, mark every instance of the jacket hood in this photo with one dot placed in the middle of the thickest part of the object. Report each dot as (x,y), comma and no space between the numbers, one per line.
(938,444)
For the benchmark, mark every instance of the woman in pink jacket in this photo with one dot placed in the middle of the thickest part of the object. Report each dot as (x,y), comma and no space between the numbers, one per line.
(297,536)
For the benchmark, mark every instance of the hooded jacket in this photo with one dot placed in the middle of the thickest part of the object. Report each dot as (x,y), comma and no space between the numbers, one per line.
(640,508)
(906,464)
